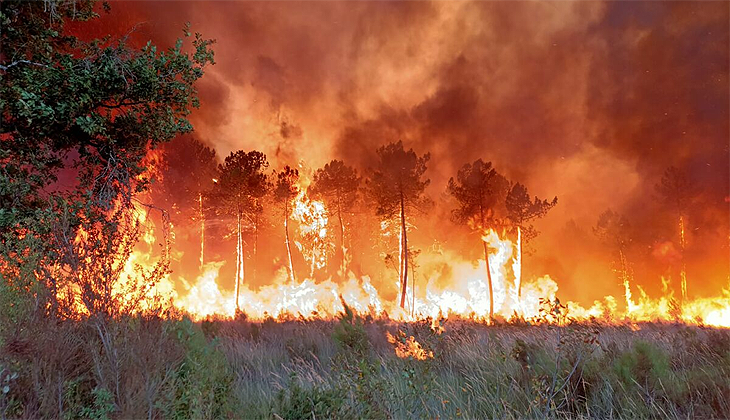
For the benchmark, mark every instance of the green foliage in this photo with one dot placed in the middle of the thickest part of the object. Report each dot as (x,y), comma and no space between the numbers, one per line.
(316,402)
(103,405)
(645,366)
(349,334)
(355,366)
(203,382)
(90,108)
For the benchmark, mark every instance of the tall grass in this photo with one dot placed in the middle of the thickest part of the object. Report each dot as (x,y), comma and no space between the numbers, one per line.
(141,367)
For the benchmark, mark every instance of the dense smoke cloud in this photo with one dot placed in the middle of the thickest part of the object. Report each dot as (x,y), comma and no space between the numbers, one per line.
(588,101)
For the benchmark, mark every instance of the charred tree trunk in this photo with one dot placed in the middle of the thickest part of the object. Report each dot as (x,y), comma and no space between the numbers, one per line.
(288,244)
(404,280)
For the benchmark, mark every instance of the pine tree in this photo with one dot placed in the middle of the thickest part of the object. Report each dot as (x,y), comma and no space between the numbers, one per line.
(285,192)
(520,211)
(480,191)
(337,185)
(238,193)
(396,185)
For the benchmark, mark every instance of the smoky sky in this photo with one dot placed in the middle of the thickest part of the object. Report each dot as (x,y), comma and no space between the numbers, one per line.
(587,101)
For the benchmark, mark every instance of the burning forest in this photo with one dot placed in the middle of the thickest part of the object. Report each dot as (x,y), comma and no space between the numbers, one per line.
(379,210)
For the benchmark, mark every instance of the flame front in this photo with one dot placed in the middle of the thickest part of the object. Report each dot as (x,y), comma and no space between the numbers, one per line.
(464,294)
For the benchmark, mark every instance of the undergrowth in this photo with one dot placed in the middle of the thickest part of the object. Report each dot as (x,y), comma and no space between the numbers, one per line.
(151,368)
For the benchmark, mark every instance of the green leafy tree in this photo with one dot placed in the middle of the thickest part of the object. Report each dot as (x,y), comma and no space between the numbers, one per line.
(92,109)
(480,192)
(337,184)
(238,193)
(286,190)
(396,185)
(521,210)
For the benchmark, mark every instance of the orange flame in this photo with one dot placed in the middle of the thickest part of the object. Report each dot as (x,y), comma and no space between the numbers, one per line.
(406,347)
(465,293)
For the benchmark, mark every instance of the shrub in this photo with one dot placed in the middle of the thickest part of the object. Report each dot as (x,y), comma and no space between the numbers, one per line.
(315,402)
(203,382)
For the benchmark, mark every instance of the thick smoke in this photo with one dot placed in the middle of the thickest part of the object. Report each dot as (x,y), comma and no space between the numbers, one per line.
(588,101)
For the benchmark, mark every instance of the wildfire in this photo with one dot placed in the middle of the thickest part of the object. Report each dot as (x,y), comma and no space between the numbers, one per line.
(407,346)
(312,218)
(465,294)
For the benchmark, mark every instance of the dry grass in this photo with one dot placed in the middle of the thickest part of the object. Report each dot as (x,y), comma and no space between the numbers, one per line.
(152,368)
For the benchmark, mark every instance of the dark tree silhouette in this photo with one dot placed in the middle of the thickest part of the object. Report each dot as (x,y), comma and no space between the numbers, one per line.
(189,170)
(285,192)
(677,192)
(396,185)
(480,191)
(614,230)
(520,211)
(238,193)
(337,185)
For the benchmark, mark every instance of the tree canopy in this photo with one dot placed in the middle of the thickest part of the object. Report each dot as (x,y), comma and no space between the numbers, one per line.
(92,109)
(398,177)
(241,184)
(480,191)
(614,229)
(286,188)
(521,210)
(337,184)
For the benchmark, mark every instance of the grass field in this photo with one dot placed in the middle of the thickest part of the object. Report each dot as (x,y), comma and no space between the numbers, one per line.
(346,368)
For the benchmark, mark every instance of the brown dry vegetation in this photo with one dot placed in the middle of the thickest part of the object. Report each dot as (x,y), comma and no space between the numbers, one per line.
(153,368)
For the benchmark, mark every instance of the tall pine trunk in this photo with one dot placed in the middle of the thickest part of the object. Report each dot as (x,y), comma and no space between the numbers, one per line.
(682,244)
(404,280)
(288,244)
(255,246)
(486,260)
(518,275)
(202,230)
(239,256)
(489,281)
(343,266)
(625,279)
